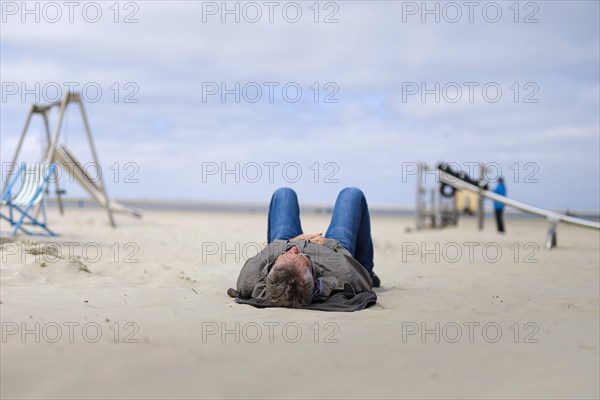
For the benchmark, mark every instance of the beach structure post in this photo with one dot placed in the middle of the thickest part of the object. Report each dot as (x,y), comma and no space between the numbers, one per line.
(551,240)
(95,155)
(57,188)
(480,210)
(432,206)
(419,205)
(19,145)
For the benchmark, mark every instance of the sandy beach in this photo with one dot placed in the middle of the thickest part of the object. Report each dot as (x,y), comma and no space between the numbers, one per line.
(142,311)
(391,115)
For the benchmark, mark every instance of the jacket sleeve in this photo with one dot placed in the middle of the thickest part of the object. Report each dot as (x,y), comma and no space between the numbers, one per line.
(324,286)
(254,272)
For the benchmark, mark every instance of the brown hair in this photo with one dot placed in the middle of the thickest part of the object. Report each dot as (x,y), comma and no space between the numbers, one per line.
(288,286)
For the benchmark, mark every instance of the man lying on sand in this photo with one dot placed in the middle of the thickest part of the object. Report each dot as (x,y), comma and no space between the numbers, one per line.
(330,273)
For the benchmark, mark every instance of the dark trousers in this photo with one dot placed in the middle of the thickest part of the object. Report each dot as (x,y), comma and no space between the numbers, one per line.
(499,219)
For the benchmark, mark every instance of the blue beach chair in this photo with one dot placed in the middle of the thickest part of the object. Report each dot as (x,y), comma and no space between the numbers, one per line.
(34,181)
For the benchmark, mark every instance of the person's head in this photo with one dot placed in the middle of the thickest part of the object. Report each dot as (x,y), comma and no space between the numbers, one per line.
(501,180)
(290,282)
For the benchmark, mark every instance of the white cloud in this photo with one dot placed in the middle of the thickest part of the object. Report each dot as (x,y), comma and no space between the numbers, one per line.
(369,133)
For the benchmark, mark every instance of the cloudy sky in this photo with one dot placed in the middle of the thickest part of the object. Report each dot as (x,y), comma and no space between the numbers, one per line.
(200,102)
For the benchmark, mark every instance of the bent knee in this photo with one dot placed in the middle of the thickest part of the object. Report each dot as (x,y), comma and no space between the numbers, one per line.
(352,191)
(284,191)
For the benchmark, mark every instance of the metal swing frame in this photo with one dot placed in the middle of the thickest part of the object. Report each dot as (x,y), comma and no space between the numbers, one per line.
(59,153)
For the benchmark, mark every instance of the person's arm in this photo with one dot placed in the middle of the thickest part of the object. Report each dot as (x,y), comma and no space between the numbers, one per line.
(312,237)
(307,236)
(320,239)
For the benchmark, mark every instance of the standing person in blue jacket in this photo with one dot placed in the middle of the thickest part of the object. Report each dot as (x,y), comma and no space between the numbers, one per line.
(499,207)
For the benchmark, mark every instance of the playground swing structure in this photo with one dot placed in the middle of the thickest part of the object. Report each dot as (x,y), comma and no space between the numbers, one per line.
(59,154)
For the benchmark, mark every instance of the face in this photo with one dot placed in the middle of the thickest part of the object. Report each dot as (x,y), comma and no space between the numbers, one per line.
(293,256)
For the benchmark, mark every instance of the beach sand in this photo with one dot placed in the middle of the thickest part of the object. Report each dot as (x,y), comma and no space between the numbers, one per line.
(142,311)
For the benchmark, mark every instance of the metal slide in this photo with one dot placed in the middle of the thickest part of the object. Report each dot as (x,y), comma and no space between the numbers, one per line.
(458,183)
(462,181)
(64,157)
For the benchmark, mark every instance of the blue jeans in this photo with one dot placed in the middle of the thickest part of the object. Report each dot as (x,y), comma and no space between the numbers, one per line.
(350,223)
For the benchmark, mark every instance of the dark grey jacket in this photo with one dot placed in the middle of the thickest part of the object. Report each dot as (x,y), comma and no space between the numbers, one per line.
(342,284)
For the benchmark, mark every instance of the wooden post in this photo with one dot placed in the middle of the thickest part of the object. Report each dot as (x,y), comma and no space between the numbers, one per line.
(23,133)
(419,209)
(56,184)
(436,194)
(95,155)
(61,115)
(480,210)
(551,240)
